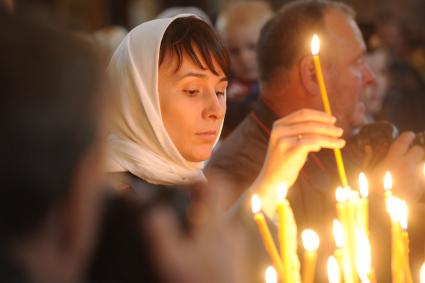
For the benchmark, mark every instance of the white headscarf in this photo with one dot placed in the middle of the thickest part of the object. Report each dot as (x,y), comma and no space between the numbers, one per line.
(139,142)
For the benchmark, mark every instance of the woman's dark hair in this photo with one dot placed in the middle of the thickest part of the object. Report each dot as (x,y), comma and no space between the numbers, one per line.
(188,34)
(49,101)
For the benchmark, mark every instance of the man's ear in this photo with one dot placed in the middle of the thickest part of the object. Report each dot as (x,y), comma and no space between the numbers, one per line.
(308,75)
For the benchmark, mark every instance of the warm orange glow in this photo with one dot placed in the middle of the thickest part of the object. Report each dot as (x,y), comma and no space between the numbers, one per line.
(271,275)
(315,45)
(363,255)
(310,240)
(363,185)
(338,233)
(255,203)
(282,191)
(333,270)
(388,181)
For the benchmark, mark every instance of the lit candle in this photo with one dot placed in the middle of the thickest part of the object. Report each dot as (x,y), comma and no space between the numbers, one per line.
(265,232)
(422,274)
(388,185)
(271,275)
(364,210)
(405,240)
(311,243)
(334,275)
(363,257)
(393,208)
(342,197)
(283,210)
(338,233)
(315,48)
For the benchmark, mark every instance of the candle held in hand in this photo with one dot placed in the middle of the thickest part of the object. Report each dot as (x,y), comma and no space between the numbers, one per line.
(315,48)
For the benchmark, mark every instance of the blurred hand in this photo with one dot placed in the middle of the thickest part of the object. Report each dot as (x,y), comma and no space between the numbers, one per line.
(292,139)
(210,254)
(405,165)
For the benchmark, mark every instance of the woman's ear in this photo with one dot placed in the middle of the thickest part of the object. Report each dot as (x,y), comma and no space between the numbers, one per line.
(308,76)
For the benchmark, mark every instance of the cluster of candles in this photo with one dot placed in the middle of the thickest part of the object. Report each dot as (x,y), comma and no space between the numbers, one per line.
(352,260)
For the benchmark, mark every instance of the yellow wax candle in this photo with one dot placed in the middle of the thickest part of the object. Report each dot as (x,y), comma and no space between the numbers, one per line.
(284,237)
(338,233)
(388,185)
(352,205)
(334,275)
(342,196)
(265,233)
(271,275)
(405,242)
(422,274)
(393,207)
(311,243)
(363,257)
(315,48)
(364,192)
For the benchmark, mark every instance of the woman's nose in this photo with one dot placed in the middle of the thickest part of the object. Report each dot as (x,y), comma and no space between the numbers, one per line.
(215,106)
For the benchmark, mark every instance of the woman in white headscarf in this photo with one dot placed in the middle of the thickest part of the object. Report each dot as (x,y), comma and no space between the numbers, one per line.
(171,76)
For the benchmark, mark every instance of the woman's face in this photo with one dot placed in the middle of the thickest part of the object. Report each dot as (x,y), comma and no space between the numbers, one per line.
(193,105)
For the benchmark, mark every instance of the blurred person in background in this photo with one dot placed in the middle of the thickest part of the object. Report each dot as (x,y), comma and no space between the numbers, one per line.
(375,94)
(174,11)
(109,38)
(405,100)
(51,154)
(239,26)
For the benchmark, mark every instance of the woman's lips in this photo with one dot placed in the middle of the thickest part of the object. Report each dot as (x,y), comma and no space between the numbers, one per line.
(208,135)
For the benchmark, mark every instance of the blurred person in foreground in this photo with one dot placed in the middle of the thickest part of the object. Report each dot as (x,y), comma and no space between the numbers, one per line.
(239,26)
(50,151)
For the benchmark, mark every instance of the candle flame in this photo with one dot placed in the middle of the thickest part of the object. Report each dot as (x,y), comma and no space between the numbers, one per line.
(282,191)
(255,203)
(338,234)
(315,44)
(388,181)
(394,208)
(271,275)
(354,196)
(363,185)
(363,255)
(422,274)
(333,270)
(310,240)
(342,194)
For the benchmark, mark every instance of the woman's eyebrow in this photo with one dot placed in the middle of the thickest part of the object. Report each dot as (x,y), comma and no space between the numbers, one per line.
(200,75)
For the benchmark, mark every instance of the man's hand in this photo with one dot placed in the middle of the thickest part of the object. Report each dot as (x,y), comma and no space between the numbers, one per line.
(405,164)
(292,139)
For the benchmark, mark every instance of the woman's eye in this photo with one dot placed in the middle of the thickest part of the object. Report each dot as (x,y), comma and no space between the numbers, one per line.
(220,93)
(191,92)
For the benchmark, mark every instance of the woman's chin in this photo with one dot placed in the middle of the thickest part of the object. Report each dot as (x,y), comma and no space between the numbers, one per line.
(199,155)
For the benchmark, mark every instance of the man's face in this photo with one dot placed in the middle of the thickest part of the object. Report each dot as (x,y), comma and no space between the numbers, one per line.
(346,72)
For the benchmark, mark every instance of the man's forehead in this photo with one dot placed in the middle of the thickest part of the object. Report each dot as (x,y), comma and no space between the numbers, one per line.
(343,31)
